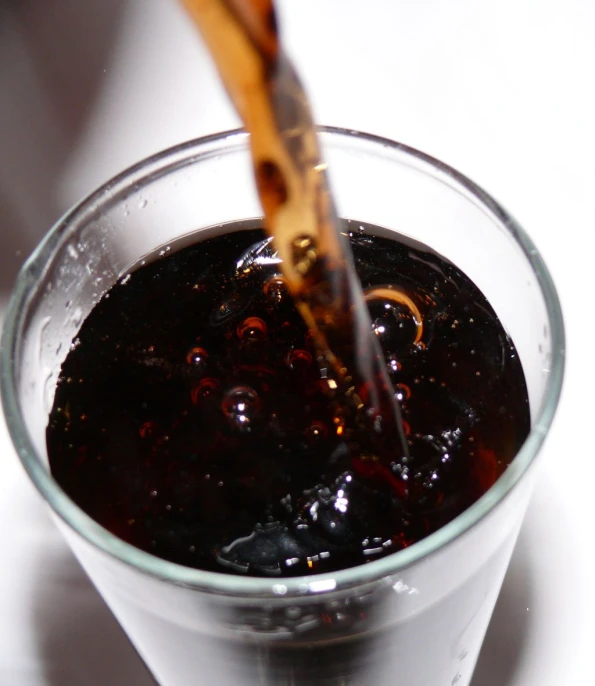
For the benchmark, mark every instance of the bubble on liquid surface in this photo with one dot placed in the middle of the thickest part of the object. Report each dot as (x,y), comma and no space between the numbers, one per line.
(396,319)
(205,389)
(315,432)
(230,308)
(241,405)
(197,357)
(265,551)
(402,392)
(393,364)
(252,330)
(298,360)
(393,325)
(275,289)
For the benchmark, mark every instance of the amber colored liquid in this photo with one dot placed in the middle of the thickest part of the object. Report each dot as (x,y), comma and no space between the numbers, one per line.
(292,183)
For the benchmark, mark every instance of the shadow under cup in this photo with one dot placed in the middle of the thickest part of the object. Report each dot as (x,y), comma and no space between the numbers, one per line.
(416,618)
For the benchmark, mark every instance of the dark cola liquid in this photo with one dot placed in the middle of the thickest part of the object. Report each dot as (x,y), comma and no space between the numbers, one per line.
(193,419)
(300,215)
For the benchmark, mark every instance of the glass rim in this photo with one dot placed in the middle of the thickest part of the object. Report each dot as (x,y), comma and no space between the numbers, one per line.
(189,153)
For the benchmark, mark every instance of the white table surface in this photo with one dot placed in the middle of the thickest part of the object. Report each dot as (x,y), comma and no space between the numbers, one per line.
(503,91)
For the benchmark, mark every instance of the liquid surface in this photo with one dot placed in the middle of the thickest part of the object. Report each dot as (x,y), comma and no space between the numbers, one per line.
(194,417)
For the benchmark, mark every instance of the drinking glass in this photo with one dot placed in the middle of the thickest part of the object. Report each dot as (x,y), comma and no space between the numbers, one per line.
(415,618)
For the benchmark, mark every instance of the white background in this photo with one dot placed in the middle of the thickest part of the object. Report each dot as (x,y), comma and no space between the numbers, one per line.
(503,91)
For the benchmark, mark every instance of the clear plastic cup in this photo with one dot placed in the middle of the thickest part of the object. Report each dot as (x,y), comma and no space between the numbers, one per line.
(416,618)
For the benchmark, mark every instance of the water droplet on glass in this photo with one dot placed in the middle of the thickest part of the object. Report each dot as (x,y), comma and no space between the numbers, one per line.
(77,316)
(48,389)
